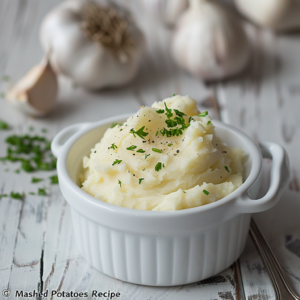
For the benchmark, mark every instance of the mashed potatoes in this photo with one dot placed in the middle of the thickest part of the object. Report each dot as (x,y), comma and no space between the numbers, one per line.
(165,157)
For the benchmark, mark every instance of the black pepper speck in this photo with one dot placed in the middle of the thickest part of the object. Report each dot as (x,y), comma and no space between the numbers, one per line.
(177,151)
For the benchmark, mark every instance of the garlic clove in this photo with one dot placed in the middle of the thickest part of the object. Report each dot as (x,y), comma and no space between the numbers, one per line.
(209,41)
(35,94)
(167,11)
(279,15)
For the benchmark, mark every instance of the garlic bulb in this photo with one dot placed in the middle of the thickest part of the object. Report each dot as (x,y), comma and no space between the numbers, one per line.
(168,11)
(96,46)
(35,94)
(278,15)
(209,41)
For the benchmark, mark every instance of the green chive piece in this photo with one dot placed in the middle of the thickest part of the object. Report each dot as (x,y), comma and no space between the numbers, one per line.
(170,145)
(156,150)
(120,183)
(205,192)
(140,151)
(140,132)
(208,123)
(132,147)
(113,146)
(160,111)
(31,193)
(17,196)
(156,133)
(174,95)
(115,124)
(3,125)
(146,155)
(117,161)
(226,168)
(44,130)
(158,166)
(140,180)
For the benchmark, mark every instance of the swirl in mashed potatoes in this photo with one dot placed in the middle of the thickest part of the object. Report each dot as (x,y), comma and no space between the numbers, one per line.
(165,157)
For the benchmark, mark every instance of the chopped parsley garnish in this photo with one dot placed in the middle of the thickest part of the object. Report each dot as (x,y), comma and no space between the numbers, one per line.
(160,111)
(31,128)
(54,179)
(117,161)
(205,192)
(226,168)
(120,183)
(17,196)
(203,114)
(115,124)
(168,111)
(32,151)
(113,146)
(3,125)
(179,113)
(35,180)
(209,122)
(156,133)
(17,171)
(42,192)
(140,132)
(156,150)
(3,195)
(171,123)
(146,155)
(131,147)
(44,130)
(174,95)
(140,180)
(31,193)
(140,151)
(170,145)
(158,166)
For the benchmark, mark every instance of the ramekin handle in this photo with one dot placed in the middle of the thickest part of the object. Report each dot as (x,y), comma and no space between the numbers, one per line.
(62,136)
(280,173)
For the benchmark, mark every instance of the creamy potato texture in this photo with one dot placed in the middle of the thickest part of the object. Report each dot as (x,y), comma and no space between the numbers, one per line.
(165,157)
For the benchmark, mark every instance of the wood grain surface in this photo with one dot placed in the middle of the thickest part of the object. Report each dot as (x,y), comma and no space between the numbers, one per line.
(37,246)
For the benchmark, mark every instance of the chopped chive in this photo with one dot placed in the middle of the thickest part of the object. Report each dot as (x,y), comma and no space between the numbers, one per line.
(203,114)
(132,147)
(54,179)
(179,113)
(140,132)
(117,161)
(17,171)
(209,122)
(174,95)
(143,169)
(31,193)
(140,180)
(3,196)
(31,128)
(146,155)
(140,151)
(17,196)
(226,168)
(205,192)
(120,183)
(156,133)
(156,150)
(44,130)
(158,166)
(115,124)
(170,145)
(35,180)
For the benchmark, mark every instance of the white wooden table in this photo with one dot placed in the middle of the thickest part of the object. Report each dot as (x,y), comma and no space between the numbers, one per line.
(37,247)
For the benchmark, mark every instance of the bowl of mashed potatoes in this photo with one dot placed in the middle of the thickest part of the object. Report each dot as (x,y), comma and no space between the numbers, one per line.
(164,196)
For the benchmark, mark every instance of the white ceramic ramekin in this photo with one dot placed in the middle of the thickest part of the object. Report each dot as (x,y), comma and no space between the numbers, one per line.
(164,248)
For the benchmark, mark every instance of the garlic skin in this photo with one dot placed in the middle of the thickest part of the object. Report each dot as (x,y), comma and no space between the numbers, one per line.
(167,11)
(210,41)
(35,94)
(86,62)
(279,15)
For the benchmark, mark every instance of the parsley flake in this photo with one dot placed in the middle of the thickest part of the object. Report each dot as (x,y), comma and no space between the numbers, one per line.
(42,192)
(113,146)
(3,125)
(158,166)
(179,113)
(54,179)
(160,111)
(156,133)
(156,150)
(226,168)
(132,147)
(170,145)
(35,180)
(117,161)
(205,192)
(203,114)
(140,180)
(140,132)
(120,183)
(146,155)
(17,196)
(140,151)
(209,122)
(115,124)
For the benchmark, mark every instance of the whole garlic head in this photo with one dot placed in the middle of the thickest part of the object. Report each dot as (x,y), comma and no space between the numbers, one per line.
(278,15)
(168,11)
(210,41)
(96,46)
(35,94)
